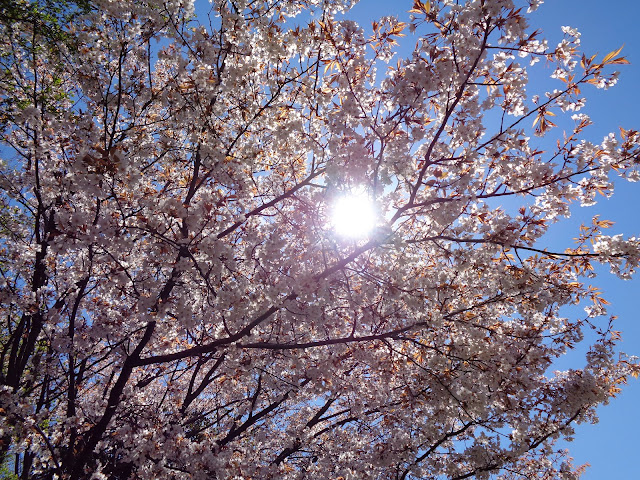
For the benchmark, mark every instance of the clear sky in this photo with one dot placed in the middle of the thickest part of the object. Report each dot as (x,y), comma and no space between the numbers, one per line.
(611,446)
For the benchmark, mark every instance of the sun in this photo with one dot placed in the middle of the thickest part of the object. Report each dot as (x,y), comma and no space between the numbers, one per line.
(353,214)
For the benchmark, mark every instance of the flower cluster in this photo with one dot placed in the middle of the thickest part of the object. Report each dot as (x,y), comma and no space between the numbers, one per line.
(176,302)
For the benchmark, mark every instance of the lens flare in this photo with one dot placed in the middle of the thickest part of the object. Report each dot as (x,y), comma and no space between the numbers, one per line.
(353,215)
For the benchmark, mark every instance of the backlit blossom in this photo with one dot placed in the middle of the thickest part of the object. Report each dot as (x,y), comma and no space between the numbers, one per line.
(263,241)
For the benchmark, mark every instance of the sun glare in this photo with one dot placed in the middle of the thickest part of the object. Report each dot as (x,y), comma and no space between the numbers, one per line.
(353,215)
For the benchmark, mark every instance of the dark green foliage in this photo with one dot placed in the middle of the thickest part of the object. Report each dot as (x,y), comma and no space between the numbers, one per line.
(47,18)
(39,35)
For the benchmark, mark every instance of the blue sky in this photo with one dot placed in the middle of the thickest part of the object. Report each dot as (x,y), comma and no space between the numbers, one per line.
(610,446)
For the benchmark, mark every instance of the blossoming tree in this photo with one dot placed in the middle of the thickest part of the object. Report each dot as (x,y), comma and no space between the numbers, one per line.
(175,299)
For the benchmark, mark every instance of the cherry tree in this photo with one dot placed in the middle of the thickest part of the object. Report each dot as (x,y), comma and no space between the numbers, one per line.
(186,293)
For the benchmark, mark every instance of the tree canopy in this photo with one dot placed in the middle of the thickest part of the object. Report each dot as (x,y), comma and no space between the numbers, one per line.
(186,293)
